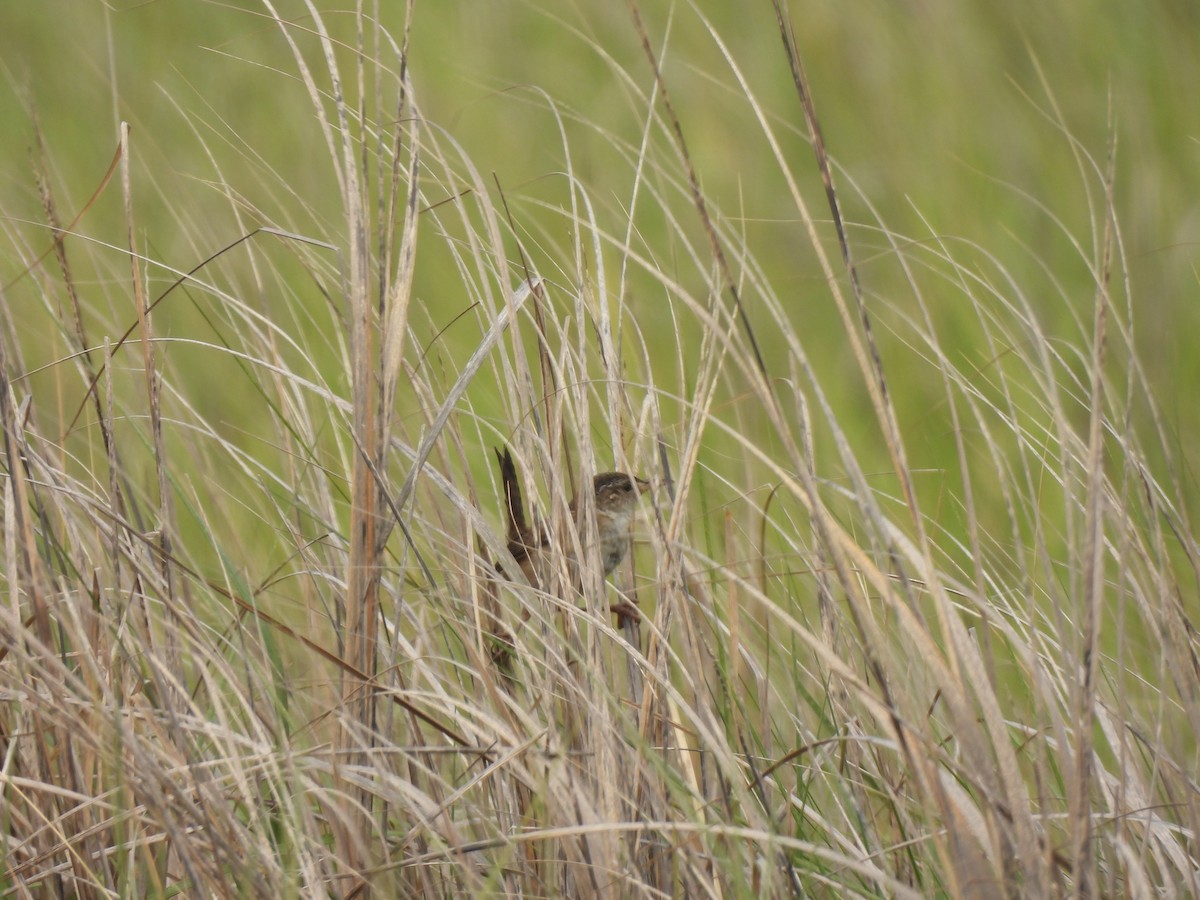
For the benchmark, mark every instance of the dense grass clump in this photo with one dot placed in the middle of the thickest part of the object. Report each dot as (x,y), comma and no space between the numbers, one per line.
(917,576)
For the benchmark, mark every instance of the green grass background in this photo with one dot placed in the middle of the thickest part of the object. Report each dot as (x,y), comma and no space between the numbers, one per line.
(936,109)
(964,127)
(946,116)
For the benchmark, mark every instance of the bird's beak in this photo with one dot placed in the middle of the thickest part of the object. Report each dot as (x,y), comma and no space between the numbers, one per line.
(642,484)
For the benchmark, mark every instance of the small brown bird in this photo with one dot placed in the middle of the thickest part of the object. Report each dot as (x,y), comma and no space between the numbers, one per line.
(616,496)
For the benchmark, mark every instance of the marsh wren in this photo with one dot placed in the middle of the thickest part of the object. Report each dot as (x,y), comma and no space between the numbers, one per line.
(616,496)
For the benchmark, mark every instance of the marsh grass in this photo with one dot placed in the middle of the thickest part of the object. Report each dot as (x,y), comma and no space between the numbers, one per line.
(261,659)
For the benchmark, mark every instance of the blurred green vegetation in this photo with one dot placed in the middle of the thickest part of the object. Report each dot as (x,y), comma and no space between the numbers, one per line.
(970,141)
(943,114)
